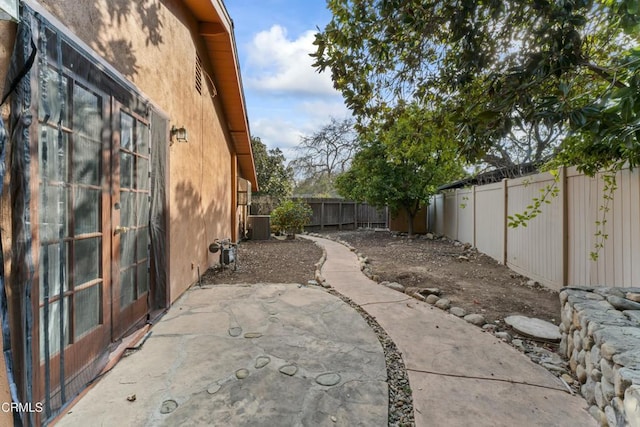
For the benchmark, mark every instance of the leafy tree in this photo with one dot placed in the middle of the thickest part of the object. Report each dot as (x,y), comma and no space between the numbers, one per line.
(571,65)
(324,155)
(275,179)
(403,162)
(291,217)
(320,187)
(517,140)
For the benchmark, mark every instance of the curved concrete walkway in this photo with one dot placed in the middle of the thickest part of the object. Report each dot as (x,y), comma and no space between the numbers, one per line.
(459,375)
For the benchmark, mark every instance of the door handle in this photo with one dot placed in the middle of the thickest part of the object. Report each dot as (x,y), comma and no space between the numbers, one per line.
(119,230)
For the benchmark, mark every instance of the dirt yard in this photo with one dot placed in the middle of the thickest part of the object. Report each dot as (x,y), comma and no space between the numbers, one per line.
(270,261)
(469,279)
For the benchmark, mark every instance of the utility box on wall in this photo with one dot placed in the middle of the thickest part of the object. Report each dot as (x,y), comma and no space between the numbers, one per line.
(244,192)
(259,227)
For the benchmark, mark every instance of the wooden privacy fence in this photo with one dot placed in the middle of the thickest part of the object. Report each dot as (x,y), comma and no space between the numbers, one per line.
(338,214)
(554,248)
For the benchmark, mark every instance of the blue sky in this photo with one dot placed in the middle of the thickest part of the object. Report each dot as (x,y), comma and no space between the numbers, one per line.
(286,98)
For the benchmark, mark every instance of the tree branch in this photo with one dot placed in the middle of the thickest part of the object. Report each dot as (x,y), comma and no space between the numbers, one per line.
(605,73)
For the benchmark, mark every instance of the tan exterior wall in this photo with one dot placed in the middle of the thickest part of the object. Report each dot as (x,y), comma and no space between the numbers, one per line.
(5,396)
(7,38)
(154,44)
(555,247)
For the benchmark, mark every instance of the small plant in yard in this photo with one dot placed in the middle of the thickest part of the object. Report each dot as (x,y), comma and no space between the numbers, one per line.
(291,216)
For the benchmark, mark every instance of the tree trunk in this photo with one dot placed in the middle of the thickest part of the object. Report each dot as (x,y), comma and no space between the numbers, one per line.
(411,214)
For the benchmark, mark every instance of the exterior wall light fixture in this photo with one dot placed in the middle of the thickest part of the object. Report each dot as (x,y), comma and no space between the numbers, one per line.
(179,134)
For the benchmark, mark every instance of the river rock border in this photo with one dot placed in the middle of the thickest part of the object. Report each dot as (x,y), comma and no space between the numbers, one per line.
(601,338)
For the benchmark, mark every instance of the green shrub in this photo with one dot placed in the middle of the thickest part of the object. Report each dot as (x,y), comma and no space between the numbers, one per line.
(291,217)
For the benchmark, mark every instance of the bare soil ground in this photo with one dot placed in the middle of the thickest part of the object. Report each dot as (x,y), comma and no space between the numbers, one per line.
(270,261)
(469,279)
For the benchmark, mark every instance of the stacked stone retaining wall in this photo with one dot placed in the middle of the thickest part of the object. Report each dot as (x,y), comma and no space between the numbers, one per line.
(601,338)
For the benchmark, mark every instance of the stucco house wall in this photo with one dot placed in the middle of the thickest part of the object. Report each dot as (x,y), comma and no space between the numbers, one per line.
(156,46)
(7,37)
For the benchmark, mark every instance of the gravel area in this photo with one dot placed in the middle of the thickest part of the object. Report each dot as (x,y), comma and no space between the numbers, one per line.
(400,397)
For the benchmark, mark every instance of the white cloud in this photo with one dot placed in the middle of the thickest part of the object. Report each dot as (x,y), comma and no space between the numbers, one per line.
(322,111)
(278,64)
(278,133)
(282,129)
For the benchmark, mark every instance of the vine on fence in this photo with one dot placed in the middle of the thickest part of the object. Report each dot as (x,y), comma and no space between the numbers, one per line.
(552,191)
(549,192)
(610,186)
(464,202)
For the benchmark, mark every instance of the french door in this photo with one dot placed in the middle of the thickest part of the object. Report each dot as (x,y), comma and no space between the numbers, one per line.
(130,219)
(93,210)
(73,153)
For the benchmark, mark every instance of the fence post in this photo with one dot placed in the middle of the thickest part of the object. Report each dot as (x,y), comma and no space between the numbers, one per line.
(386,217)
(473,214)
(457,210)
(505,193)
(340,218)
(322,216)
(565,225)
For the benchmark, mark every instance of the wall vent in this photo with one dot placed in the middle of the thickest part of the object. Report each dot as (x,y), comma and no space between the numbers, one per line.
(198,74)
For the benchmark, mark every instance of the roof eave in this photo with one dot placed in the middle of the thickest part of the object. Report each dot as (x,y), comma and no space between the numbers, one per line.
(216,28)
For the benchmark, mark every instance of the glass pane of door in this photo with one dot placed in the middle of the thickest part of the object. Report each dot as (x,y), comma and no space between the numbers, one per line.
(70,162)
(133,215)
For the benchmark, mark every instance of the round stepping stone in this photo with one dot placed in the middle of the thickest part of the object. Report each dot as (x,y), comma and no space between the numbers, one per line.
(168,406)
(289,370)
(534,328)
(235,331)
(252,335)
(242,374)
(262,361)
(213,388)
(328,379)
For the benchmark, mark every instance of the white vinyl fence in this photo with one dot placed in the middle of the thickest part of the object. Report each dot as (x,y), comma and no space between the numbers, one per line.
(554,248)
